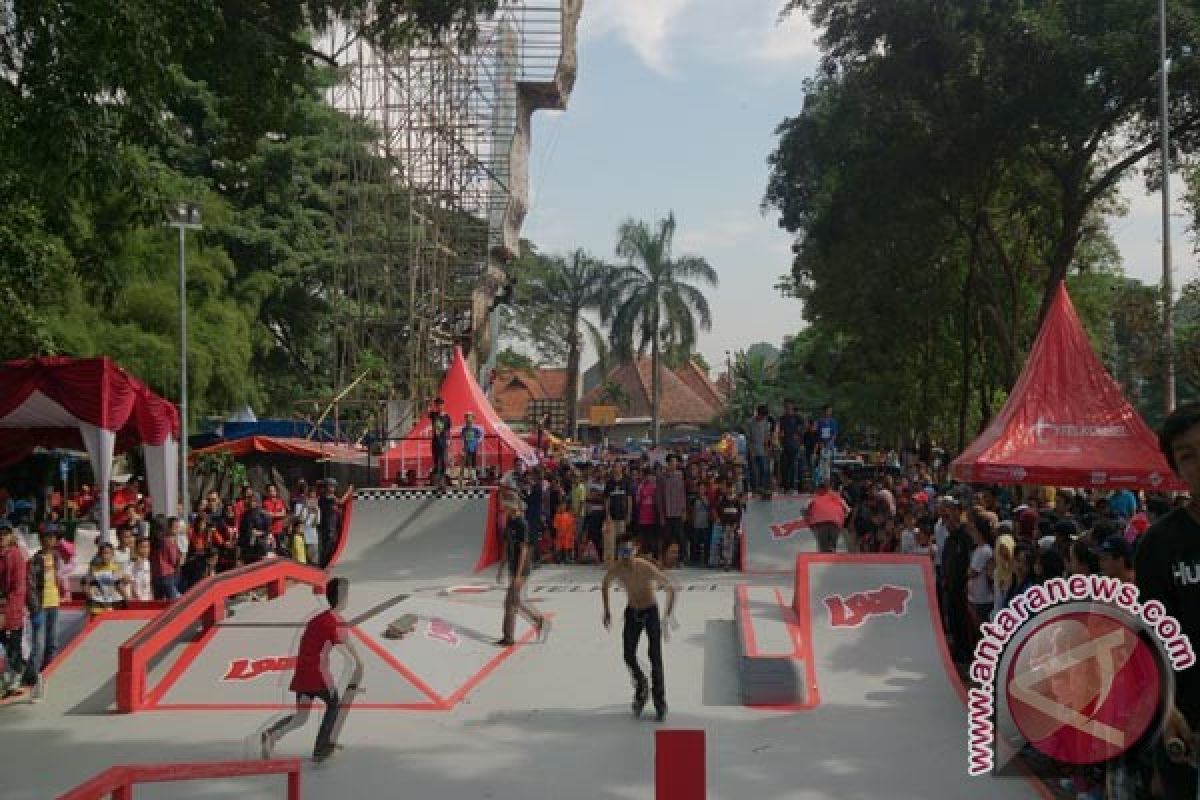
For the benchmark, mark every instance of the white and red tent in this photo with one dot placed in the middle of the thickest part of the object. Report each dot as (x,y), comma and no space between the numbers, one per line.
(91,404)
(501,447)
(1066,422)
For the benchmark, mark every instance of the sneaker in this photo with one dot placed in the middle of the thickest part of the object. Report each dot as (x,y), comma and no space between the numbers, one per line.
(39,689)
(640,695)
(660,711)
(267,744)
(504,643)
(543,629)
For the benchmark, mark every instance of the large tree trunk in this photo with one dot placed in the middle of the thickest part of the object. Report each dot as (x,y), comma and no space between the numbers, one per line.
(654,381)
(964,389)
(572,398)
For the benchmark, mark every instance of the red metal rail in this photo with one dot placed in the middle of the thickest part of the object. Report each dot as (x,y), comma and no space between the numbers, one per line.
(204,603)
(118,782)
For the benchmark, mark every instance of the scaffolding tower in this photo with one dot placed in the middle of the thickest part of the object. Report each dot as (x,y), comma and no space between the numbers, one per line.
(435,191)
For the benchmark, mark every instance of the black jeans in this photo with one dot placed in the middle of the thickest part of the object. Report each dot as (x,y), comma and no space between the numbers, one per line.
(790,462)
(635,621)
(672,534)
(303,705)
(439,459)
(11,640)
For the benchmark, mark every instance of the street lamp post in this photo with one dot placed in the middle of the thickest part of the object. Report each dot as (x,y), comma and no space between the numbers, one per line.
(1168,292)
(184,217)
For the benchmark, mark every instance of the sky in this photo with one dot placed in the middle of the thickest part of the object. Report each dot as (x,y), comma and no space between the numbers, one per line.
(675,109)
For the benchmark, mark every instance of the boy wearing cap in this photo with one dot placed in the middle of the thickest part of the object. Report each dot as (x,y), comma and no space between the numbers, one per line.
(1116,558)
(639,577)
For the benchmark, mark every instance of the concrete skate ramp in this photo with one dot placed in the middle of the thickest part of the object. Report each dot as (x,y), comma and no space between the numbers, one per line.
(406,535)
(875,644)
(774,533)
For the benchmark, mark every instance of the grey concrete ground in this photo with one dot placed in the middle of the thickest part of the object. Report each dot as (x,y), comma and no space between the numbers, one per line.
(549,721)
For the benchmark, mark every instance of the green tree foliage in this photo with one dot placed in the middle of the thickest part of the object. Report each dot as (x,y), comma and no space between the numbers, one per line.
(110,112)
(553,294)
(952,163)
(654,300)
(511,359)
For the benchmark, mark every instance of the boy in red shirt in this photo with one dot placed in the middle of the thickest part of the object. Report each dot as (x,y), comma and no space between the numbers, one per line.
(276,511)
(312,678)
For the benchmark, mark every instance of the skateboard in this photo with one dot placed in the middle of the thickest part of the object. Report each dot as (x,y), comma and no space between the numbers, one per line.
(401,627)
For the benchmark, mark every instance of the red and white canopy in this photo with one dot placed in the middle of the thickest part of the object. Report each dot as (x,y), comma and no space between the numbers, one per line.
(89,403)
(1066,422)
(500,448)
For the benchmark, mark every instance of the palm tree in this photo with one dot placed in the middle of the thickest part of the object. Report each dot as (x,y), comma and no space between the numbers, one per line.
(653,301)
(568,288)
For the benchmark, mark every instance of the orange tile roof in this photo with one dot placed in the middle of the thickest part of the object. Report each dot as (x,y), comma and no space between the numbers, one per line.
(513,389)
(679,402)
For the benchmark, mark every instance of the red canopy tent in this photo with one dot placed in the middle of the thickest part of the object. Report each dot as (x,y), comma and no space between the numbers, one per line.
(93,404)
(1066,422)
(281,445)
(501,447)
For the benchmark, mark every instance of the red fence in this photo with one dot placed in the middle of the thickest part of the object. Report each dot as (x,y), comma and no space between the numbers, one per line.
(118,782)
(416,453)
(204,603)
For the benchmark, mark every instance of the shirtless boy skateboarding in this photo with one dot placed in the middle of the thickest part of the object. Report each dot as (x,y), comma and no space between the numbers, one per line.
(639,577)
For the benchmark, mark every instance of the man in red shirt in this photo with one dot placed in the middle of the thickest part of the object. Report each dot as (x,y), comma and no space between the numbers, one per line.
(826,515)
(313,679)
(12,603)
(276,511)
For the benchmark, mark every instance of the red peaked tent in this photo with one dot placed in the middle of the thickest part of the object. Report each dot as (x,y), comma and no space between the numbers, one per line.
(94,404)
(500,448)
(1066,422)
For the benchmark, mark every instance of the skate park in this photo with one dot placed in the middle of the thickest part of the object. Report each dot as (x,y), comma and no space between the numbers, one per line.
(446,714)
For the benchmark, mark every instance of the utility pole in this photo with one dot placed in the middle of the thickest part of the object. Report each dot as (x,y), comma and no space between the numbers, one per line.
(1168,289)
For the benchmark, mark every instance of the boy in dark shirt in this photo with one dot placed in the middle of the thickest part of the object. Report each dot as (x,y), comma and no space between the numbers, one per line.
(439,433)
(618,494)
(1167,567)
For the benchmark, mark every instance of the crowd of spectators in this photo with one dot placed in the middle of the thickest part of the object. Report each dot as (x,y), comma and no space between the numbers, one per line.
(681,509)
(145,557)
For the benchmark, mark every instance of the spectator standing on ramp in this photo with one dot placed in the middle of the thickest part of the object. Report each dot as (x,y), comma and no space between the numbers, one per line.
(439,433)
(827,433)
(472,436)
(639,577)
(758,435)
(791,428)
(312,679)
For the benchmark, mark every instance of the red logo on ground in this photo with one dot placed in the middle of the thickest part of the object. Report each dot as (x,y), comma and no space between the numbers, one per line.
(442,631)
(245,669)
(852,611)
(786,530)
(1083,687)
